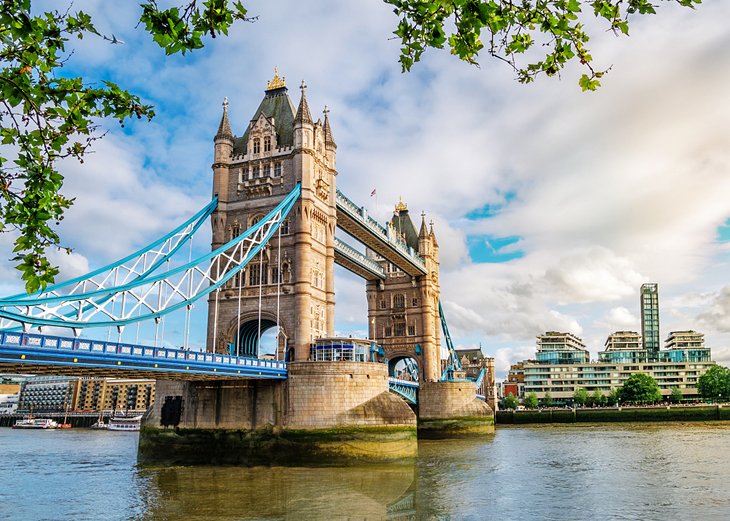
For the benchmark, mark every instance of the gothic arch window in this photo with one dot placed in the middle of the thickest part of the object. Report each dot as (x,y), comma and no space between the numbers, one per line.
(255,219)
(267,170)
(267,144)
(277,169)
(256,145)
(285,227)
(399,301)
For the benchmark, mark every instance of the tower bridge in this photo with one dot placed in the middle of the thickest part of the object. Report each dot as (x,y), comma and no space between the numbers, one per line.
(275,212)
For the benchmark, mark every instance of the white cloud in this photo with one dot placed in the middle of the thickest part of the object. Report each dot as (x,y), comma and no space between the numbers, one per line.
(717,315)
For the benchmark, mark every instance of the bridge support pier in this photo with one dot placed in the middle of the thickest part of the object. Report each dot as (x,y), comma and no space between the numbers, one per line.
(326,413)
(450,409)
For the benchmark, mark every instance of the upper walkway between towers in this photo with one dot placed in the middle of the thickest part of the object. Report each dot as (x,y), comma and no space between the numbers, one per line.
(384,241)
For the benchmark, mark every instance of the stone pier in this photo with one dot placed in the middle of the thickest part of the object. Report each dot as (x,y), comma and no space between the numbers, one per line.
(326,413)
(451,409)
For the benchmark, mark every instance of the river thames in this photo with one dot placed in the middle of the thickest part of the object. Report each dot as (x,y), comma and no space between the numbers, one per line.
(586,472)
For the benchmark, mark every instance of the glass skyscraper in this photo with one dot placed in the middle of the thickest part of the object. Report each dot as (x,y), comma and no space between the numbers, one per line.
(650,318)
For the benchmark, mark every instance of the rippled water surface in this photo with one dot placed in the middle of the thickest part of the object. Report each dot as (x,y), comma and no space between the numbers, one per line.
(587,472)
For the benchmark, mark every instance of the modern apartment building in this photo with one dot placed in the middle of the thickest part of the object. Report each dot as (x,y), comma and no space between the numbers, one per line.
(680,365)
(561,348)
(562,380)
(650,316)
(60,393)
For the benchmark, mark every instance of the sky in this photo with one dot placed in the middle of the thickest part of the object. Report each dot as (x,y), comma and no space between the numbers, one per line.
(551,206)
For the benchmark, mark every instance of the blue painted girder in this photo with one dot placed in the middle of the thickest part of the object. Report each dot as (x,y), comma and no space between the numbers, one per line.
(45,353)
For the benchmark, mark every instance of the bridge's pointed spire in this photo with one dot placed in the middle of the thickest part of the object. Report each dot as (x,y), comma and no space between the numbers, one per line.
(423,233)
(303,114)
(224,129)
(432,235)
(329,141)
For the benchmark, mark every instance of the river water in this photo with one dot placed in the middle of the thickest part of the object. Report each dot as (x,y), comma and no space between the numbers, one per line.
(586,472)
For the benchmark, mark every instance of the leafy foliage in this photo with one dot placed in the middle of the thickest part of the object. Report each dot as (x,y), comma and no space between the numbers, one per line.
(597,398)
(510,401)
(580,396)
(614,396)
(676,395)
(546,33)
(531,401)
(715,383)
(640,388)
(46,115)
(548,401)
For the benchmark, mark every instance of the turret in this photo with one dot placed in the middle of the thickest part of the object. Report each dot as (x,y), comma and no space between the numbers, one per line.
(329,141)
(303,129)
(223,151)
(434,244)
(423,239)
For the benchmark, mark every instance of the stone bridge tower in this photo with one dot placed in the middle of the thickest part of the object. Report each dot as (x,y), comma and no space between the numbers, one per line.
(403,310)
(294,279)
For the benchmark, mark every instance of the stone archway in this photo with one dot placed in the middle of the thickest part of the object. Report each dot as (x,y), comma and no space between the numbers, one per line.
(405,366)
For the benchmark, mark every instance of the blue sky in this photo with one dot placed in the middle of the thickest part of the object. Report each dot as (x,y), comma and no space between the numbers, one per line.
(551,206)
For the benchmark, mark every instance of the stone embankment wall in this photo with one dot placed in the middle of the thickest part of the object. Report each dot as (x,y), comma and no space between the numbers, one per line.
(622,414)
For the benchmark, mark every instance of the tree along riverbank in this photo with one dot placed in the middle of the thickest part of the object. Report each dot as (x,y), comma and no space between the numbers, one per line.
(620,414)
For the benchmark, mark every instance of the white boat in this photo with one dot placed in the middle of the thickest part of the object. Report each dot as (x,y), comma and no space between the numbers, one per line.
(125,423)
(99,425)
(35,423)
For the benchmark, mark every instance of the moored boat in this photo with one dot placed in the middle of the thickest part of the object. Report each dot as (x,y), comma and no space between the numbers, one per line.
(35,423)
(125,423)
(99,425)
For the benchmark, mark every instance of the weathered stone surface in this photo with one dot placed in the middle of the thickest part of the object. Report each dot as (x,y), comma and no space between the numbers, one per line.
(450,409)
(326,413)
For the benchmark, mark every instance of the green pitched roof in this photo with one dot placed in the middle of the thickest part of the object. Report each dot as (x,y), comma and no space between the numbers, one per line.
(402,223)
(276,104)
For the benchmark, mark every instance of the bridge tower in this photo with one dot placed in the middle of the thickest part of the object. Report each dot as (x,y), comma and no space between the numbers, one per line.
(403,311)
(293,280)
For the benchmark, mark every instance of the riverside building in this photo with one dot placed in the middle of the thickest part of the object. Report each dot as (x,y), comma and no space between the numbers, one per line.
(680,364)
(60,393)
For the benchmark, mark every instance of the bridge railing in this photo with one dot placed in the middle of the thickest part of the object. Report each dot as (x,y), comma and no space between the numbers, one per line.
(359,214)
(56,343)
(405,388)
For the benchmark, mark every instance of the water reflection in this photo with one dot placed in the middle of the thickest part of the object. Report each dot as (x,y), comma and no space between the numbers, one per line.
(279,493)
(598,472)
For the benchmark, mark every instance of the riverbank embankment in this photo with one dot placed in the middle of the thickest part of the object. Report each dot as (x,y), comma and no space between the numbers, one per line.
(680,413)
